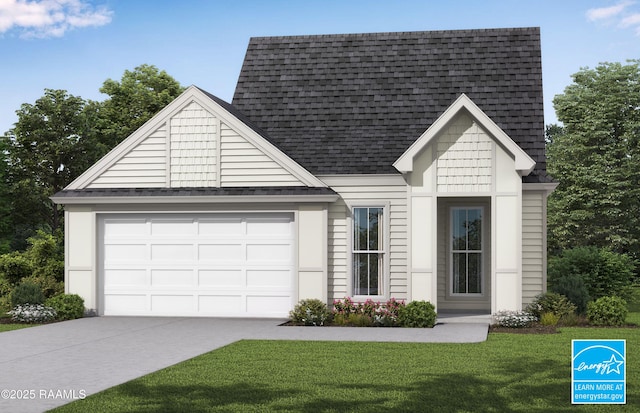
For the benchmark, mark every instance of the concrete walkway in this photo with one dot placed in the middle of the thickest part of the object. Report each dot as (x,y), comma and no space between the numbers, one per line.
(48,366)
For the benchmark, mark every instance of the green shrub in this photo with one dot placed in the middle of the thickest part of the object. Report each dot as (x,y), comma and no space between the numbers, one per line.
(26,293)
(607,311)
(603,273)
(310,312)
(50,286)
(553,303)
(43,259)
(67,306)
(573,320)
(549,319)
(359,320)
(417,314)
(572,286)
(14,267)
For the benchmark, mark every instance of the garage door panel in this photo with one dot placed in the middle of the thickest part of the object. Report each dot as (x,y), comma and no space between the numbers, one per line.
(221,304)
(217,264)
(268,305)
(126,304)
(221,252)
(126,228)
(269,252)
(172,252)
(173,228)
(269,278)
(125,253)
(273,227)
(174,278)
(210,227)
(173,304)
(221,278)
(126,278)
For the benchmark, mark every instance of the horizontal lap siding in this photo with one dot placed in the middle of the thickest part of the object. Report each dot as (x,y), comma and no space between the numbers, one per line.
(242,164)
(339,236)
(144,166)
(533,253)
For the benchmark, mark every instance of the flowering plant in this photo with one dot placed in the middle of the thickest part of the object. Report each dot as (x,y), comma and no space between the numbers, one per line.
(369,312)
(32,313)
(514,319)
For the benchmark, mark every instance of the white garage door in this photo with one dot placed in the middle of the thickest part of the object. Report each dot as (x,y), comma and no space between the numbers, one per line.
(185,265)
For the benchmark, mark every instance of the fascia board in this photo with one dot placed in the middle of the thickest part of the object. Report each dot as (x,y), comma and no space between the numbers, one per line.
(111,200)
(523,162)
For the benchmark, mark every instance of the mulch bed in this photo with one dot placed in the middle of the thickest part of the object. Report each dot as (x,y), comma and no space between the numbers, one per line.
(536,329)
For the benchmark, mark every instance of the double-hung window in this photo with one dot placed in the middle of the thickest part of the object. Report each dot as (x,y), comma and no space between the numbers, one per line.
(466,250)
(368,250)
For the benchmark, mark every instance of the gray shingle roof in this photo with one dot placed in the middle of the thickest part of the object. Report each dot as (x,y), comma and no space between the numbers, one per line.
(353,103)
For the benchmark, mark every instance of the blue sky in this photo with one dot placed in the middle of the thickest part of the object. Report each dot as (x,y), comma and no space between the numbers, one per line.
(77,44)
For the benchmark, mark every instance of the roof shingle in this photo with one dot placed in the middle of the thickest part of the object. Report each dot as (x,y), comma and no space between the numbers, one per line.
(353,103)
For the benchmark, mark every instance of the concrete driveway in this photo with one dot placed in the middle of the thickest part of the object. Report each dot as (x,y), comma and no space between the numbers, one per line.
(48,366)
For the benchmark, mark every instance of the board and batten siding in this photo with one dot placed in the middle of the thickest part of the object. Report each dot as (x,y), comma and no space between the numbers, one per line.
(533,245)
(386,191)
(144,166)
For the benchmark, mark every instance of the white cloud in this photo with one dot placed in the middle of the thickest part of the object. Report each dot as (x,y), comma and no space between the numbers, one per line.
(631,20)
(50,18)
(607,12)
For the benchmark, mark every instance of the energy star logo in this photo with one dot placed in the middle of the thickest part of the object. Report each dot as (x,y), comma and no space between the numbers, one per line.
(598,374)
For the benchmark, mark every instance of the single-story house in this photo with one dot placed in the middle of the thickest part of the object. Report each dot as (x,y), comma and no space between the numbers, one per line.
(408,165)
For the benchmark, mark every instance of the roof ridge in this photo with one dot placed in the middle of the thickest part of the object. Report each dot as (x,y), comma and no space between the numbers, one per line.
(389,33)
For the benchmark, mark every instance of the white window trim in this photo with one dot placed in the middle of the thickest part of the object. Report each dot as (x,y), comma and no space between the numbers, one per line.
(385,251)
(482,252)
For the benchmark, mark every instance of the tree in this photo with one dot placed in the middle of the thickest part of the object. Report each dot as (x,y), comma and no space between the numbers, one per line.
(6,220)
(138,96)
(49,146)
(595,157)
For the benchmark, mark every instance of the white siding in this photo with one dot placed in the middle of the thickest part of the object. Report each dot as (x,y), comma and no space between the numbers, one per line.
(464,154)
(533,245)
(242,164)
(371,192)
(194,142)
(144,166)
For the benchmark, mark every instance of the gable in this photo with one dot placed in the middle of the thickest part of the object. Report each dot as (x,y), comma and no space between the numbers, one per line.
(462,133)
(194,142)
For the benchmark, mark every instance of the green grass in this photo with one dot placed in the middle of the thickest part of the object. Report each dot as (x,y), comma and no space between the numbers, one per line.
(507,373)
(10,327)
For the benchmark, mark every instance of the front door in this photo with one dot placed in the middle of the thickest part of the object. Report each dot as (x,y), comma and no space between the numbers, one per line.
(464,258)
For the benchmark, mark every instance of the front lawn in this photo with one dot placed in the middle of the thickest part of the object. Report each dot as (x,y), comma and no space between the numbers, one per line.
(508,372)
(13,326)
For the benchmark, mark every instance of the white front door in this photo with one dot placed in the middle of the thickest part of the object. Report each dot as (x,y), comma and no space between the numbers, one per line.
(198,265)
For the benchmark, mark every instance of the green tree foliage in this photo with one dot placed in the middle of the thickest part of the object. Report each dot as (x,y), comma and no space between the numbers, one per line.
(138,96)
(6,220)
(48,147)
(59,137)
(595,157)
(588,273)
